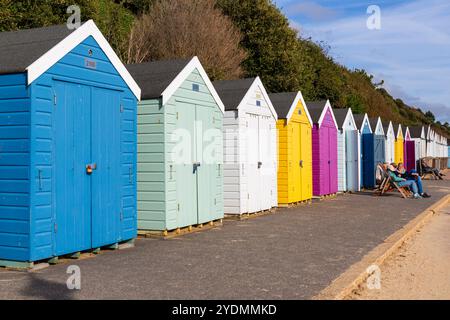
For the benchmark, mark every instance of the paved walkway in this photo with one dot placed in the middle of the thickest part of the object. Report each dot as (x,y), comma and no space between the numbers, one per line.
(292,254)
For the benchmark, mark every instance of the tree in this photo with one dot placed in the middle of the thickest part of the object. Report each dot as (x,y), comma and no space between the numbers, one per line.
(273,49)
(112,18)
(185,28)
(430,116)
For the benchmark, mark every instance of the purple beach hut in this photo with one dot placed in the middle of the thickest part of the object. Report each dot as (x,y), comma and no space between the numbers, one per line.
(324,148)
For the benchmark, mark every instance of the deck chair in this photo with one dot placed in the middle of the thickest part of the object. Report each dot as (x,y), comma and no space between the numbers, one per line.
(389,185)
(425,170)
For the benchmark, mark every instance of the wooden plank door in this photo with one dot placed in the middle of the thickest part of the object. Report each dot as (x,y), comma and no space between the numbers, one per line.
(352,160)
(72,149)
(332,134)
(296,165)
(306,162)
(206,170)
(266,162)
(254,188)
(107,174)
(183,171)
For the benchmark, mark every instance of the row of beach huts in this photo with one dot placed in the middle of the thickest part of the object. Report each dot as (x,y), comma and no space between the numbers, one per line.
(91,150)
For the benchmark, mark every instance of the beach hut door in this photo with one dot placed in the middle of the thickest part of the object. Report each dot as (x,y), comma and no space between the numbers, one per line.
(86,168)
(351,145)
(254,163)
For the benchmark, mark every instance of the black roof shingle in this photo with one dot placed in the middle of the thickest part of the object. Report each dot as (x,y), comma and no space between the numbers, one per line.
(231,92)
(19,49)
(315,109)
(154,77)
(282,102)
(340,115)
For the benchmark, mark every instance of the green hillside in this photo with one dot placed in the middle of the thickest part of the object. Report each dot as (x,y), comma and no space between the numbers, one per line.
(278,54)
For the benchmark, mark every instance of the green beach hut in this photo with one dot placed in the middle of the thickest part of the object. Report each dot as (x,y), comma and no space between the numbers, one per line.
(180,146)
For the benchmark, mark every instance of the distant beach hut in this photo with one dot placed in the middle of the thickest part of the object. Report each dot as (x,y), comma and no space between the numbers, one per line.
(250,146)
(399,144)
(348,151)
(409,151)
(390,141)
(420,142)
(324,147)
(294,147)
(367,150)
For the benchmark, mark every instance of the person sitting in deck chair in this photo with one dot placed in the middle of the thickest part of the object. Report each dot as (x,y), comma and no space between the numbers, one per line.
(427,169)
(412,175)
(402,182)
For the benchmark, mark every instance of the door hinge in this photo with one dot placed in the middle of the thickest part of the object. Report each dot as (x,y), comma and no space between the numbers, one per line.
(215,201)
(54,99)
(178,207)
(121,215)
(121,108)
(177,115)
(56,227)
(248,195)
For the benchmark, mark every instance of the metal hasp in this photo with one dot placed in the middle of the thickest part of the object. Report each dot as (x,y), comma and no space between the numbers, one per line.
(195,166)
(91,167)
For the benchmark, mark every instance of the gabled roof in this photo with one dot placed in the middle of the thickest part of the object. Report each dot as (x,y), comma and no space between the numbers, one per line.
(388,128)
(416,132)
(282,102)
(342,115)
(406,134)
(398,129)
(160,79)
(234,93)
(35,50)
(376,123)
(286,102)
(361,119)
(318,109)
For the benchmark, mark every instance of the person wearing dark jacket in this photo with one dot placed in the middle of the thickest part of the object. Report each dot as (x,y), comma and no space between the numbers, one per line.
(402,182)
(412,175)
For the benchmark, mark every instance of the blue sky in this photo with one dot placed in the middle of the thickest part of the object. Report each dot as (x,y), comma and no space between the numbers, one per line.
(411,51)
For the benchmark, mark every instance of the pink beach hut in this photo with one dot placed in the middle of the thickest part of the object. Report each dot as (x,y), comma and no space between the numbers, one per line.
(324,148)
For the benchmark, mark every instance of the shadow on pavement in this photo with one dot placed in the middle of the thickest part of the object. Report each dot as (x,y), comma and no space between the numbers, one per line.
(42,289)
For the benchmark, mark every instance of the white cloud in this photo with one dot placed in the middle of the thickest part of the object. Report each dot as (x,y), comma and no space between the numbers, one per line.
(411,51)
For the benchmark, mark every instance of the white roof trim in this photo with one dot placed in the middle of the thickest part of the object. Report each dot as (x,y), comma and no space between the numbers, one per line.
(366,120)
(41,65)
(299,97)
(324,112)
(390,130)
(422,133)
(399,131)
(183,75)
(258,83)
(379,125)
(352,119)
(407,134)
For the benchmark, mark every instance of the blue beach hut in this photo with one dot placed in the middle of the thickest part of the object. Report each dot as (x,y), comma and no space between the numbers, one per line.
(367,151)
(67,144)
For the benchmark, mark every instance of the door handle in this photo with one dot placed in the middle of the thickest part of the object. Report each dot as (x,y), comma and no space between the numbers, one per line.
(195,166)
(91,167)
(259,164)
(301,163)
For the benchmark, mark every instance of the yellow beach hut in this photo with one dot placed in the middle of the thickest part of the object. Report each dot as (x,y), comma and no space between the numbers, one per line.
(294,147)
(399,140)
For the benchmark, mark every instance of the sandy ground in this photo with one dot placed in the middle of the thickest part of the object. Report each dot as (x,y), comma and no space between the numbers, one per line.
(420,269)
